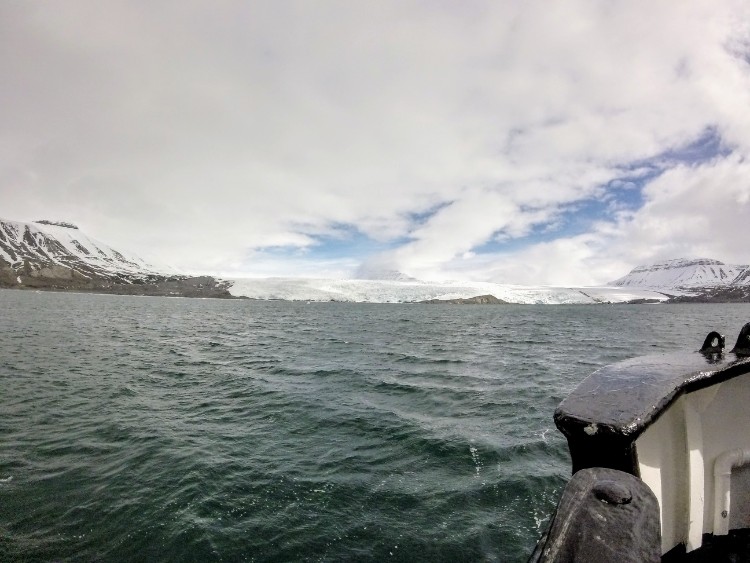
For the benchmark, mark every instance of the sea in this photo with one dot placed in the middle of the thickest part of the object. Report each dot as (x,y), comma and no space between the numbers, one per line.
(166,429)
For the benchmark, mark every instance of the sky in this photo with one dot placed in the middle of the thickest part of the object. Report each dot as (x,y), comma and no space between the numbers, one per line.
(522,142)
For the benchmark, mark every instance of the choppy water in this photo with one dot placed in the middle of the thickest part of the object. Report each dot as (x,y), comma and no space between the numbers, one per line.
(157,429)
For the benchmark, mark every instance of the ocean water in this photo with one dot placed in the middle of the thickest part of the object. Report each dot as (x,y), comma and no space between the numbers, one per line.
(156,429)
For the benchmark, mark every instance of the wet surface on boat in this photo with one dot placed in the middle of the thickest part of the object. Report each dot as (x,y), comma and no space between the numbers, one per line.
(624,398)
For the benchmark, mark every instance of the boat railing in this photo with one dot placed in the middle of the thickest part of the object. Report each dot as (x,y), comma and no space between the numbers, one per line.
(671,429)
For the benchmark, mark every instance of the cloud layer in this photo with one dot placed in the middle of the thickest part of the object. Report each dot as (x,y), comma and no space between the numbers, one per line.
(479,140)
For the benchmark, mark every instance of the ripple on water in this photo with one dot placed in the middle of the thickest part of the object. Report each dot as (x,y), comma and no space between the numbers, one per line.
(200,430)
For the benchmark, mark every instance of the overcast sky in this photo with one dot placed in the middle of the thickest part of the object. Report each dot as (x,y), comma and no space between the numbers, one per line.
(517,142)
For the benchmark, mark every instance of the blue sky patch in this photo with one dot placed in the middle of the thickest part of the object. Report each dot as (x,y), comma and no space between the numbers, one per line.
(346,241)
(418,218)
(706,147)
(624,193)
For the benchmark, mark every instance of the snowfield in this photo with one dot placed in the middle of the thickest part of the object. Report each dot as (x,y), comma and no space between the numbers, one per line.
(386,291)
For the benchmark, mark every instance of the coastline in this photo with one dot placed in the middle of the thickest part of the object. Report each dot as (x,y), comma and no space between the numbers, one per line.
(201,287)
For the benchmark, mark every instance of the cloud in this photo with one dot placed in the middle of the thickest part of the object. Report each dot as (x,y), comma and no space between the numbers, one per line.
(207,136)
(694,211)
(689,211)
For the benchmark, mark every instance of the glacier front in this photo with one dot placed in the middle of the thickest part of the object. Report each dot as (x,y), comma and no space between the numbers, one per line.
(388,291)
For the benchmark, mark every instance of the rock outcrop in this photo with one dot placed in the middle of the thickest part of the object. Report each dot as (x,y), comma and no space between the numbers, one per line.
(478,300)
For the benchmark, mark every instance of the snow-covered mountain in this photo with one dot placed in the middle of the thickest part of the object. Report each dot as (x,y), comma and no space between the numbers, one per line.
(686,274)
(57,255)
(59,250)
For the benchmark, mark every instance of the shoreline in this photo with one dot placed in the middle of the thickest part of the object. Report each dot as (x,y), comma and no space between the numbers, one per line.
(197,287)
(207,287)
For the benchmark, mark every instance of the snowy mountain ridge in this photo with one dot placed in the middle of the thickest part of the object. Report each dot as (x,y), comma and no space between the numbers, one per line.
(683,273)
(57,255)
(55,249)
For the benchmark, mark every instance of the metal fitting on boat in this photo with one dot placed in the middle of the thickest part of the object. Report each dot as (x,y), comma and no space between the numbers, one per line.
(742,348)
(714,343)
(612,492)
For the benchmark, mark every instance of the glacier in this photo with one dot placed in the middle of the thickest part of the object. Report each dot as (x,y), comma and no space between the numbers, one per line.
(390,291)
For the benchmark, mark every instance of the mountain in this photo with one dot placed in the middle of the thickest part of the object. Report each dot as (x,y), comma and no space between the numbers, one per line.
(685,274)
(43,248)
(58,255)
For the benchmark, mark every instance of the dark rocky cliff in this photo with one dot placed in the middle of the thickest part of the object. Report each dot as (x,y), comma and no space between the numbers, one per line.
(478,300)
